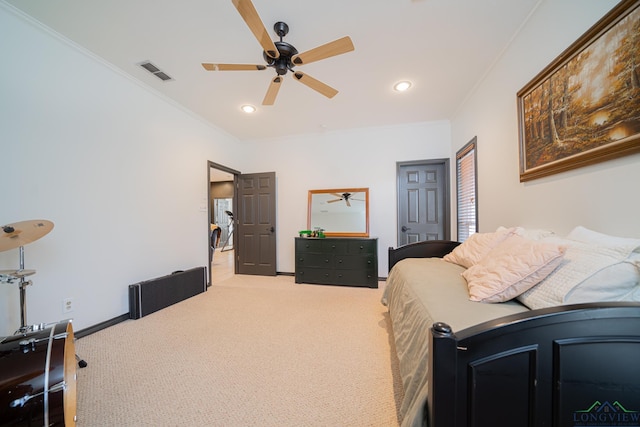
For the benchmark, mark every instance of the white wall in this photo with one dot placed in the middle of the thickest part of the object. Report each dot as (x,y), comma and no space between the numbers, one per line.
(120,171)
(341,159)
(602,197)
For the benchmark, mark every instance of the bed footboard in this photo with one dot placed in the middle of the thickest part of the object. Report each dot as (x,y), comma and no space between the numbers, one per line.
(425,249)
(564,366)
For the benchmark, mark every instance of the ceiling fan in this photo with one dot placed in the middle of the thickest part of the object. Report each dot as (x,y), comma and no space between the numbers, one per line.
(281,55)
(347,197)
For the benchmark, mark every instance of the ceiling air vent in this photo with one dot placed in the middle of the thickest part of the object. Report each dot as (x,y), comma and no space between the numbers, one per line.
(155,71)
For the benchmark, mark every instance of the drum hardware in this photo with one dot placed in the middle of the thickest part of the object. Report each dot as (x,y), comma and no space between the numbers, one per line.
(81,362)
(23,400)
(22,285)
(38,387)
(11,276)
(28,345)
(16,236)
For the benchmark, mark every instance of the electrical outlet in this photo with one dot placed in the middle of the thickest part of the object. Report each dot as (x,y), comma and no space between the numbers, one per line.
(67,305)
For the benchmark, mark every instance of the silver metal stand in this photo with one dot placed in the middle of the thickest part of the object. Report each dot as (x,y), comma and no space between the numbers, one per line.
(23,296)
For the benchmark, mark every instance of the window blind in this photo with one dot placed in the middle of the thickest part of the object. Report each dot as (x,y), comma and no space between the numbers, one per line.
(467,190)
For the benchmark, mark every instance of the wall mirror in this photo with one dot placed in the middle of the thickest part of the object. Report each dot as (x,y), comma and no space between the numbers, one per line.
(342,212)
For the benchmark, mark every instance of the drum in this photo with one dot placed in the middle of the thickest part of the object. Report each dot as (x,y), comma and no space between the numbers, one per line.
(38,377)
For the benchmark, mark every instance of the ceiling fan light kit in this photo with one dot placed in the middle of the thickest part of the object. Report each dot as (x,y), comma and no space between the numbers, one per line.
(282,56)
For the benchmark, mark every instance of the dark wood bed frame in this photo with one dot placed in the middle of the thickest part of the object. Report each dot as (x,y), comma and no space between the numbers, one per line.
(574,365)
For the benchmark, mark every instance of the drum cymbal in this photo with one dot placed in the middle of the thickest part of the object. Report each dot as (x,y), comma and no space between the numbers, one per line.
(22,233)
(17,273)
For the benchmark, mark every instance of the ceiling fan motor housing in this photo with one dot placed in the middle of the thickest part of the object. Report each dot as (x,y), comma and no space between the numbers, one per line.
(282,63)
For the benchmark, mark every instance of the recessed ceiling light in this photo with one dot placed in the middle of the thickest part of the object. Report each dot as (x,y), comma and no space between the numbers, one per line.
(247,108)
(402,86)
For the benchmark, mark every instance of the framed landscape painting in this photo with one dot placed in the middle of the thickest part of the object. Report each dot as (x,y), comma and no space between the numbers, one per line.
(584,107)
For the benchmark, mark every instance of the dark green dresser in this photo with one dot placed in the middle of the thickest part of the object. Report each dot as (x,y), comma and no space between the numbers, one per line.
(349,261)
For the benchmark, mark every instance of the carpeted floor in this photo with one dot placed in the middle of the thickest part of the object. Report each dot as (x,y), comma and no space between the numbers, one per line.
(251,351)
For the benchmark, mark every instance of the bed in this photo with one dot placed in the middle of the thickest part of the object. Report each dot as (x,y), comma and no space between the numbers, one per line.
(471,363)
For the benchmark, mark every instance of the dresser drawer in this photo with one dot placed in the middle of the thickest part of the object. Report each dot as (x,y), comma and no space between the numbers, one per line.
(310,259)
(356,278)
(337,277)
(335,246)
(349,262)
(308,245)
(363,246)
(314,275)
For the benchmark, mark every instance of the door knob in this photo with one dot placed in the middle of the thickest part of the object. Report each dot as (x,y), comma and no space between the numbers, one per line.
(405,228)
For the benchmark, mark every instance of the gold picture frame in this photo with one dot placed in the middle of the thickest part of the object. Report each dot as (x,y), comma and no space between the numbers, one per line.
(339,212)
(584,107)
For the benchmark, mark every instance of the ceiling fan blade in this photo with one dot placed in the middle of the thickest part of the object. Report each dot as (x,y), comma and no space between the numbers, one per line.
(347,202)
(253,21)
(333,201)
(232,67)
(314,84)
(336,47)
(272,92)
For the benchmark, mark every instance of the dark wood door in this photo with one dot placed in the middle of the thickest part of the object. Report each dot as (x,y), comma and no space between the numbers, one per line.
(255,224)
(423,201)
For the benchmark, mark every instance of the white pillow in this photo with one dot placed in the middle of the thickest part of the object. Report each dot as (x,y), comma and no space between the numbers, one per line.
(619,282)
(581,262)
(512,267)
(585,235)
(472,250)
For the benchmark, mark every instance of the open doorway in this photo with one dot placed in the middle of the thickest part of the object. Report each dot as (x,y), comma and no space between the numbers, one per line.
(221,195)
(253,216)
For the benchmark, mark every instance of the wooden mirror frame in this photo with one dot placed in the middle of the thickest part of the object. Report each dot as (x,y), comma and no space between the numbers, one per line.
(360,232)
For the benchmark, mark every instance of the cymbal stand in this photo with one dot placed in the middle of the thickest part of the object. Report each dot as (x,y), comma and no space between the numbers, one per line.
(23,296)
(23,307)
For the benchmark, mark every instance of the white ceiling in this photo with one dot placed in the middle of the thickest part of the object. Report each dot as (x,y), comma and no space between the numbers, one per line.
(443,46)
